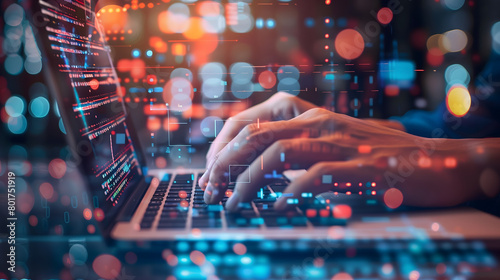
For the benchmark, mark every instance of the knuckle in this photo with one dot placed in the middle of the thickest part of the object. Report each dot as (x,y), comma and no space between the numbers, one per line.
(250,129)
(317,111)
(284,96)
(321,168)
(281,146)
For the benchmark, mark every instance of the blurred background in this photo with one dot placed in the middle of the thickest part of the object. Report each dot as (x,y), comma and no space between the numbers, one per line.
(213,59)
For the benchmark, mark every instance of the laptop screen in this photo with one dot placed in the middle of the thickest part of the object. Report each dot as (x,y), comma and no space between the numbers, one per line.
(90,101)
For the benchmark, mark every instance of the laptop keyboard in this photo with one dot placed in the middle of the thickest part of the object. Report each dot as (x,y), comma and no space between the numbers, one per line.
(178,204)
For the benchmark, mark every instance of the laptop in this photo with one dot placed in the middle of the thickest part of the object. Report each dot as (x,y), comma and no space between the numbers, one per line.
(131,202)
(134,203)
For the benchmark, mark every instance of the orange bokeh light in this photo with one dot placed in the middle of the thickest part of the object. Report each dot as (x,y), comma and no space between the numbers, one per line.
(267,79)
(195,29)
(349,44)
(385,15)
(112,18)
(393,198)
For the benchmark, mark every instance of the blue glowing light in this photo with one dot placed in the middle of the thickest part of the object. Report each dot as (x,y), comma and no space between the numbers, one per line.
(398,72)
(17,125)
(136,53)
(15,106)
(309,22)
(453,4)
(254,272)
(149,53)
(495,35)
(39,107)
(220,246)
(457,74)
(14,64)
(33,65)
(259,23)
(61,126)
(342,22)
(201,246)
(182,246)
(270,23)
(14,15)
(160,58)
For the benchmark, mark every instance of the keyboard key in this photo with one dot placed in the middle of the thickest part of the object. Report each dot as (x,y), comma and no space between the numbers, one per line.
(171,225)
(155,202)
(215,208)
(150,213)
(299,221)
(146,225)
(166,178)
(188,176)
(148,218)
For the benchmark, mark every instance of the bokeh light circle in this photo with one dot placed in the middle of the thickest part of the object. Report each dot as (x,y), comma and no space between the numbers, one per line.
(213,88)
(195,30)
(289,85)
(13,15)
(385,15)
(458,101)
(393,198)
(181,103)
(107,266)
(177,87)
(39,107)
(241,72)
(33,65)
(214,24)
(213,70)
(342,276)
(57,168)
(349,44)
(454,40)
(182,73)
(210,125)
(457,74)
(495,35)
(288,72)
(267,79)
(453,4)
(242,91)
(46,190)
(243,24)
(178,18)
(13,64)
(15,106)
(78,253)
(495,32)
(17,125)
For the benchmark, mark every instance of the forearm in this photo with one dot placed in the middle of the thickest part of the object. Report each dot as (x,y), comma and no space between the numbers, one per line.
(471,167)
(485,156)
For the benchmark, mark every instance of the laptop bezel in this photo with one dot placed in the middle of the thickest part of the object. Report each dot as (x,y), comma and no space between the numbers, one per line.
(53,78)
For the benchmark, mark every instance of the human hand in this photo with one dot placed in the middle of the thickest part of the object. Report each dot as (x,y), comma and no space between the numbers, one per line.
(281,106)
(351,150)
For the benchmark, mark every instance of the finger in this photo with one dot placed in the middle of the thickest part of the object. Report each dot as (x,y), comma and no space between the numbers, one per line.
(234,125)
(281,106)
(241,151)
(340,176)
(282,155)
(313,123)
